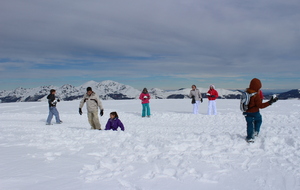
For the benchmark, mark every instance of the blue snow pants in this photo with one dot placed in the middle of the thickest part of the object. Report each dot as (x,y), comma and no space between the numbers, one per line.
(254,121)
(146,110)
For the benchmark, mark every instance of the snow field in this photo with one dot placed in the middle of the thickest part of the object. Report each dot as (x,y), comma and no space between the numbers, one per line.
(174,149)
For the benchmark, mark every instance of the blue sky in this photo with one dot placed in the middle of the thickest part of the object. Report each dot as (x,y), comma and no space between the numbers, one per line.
(166,44)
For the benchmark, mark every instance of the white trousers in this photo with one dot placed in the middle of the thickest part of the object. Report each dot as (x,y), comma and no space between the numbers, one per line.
(94,120)
(212,108)
(196,107)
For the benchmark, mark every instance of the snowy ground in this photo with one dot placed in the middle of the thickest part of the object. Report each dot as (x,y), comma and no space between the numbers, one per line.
(173,149)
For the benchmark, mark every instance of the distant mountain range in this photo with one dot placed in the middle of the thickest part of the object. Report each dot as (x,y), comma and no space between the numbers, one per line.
(114,91)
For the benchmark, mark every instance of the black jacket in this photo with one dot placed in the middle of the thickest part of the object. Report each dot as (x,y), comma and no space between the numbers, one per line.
(51,100)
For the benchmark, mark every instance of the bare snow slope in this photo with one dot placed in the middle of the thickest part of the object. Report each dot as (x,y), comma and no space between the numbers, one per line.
(173,149)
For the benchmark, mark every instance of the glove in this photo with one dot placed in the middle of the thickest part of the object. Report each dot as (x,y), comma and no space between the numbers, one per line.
(101,112)
(193,96)
(193,101)
(273,99)
(212,96)
(80,111)
(58,100)
(201,100)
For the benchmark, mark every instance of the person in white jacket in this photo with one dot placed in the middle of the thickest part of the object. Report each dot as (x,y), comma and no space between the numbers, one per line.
(93,102)
(196,98)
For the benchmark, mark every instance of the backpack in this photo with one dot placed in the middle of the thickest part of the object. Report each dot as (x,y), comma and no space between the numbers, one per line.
(245,99)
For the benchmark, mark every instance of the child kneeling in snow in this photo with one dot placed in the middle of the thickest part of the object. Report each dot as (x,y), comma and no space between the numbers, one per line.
(114,122)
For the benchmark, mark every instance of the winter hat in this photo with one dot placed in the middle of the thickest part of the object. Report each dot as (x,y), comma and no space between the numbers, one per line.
(145,91)
(255,84)
(212,86)
(88,89)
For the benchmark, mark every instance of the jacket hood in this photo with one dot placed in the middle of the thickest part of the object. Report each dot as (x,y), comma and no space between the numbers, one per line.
(255,85)
(212,86)
(113,119)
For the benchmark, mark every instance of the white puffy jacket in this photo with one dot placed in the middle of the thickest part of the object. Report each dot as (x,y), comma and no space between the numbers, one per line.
(92,102)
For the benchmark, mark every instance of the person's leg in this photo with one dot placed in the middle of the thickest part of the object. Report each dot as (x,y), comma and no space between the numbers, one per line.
(50,116)
(144,110)
(257,123)
(214,107)
(196,107)
(90,118)
(148,109)
(250,126)
(96,121)
(56,114)
(209,107)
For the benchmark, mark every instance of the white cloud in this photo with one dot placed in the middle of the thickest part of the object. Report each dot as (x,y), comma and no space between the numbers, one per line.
(144,38)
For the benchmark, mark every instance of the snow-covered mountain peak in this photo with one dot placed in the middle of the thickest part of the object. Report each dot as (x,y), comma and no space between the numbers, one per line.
(89,84)
(107,89)
(109,83)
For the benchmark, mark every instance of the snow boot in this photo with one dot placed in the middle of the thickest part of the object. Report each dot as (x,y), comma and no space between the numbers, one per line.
(250,140)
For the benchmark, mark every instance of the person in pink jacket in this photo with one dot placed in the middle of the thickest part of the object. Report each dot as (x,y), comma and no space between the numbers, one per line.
(145,97)
(212,95)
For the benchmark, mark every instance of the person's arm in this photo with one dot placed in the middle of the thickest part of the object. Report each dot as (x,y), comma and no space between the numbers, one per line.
(121,125)
(259,103)
(107,126)
(141,96)
(99,103)
(81,105)
(82,101)
(216,94)
(199,94)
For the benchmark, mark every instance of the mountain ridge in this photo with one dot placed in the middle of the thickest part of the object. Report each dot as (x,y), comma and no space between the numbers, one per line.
(109,89)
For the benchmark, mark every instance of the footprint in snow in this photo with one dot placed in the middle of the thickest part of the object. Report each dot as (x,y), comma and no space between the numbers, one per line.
(52,155)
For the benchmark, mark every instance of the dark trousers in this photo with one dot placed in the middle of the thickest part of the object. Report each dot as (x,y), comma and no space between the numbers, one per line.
(254,121)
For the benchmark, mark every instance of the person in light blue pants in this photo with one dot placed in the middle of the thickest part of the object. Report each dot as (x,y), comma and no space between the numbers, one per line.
(53,112)
(52,101)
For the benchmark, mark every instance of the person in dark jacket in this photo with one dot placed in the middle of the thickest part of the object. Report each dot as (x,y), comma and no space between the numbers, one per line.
(114,122)
(52,101)
(252,115)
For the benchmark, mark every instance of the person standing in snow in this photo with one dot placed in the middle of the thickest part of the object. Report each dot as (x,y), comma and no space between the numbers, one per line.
(252,115)
(114,122)
(92,103)
(196,98)
(52,101)
(145,97)
(212,95)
